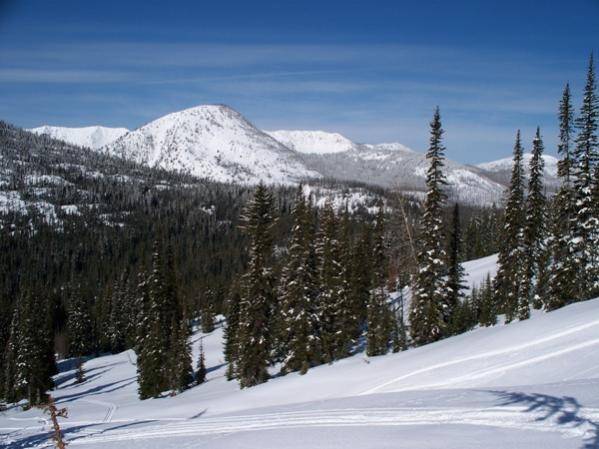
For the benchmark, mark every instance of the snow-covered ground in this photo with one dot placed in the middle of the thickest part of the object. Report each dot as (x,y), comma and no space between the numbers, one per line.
(525,385)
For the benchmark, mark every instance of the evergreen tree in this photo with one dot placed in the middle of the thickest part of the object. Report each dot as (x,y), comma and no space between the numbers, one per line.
(379,319)
(586,229)
(180,362)
(30,363)
(563,271)
(333,299)
(258,295)
(361,277)
(164,360)
(534,232)
(299,333)
(79,330)
(426,312)
(508,282)
(201,369)
(488,313)
(231,329)
(455,277)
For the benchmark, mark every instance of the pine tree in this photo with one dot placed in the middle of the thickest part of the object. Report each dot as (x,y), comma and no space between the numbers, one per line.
(586,230)
(299,333)
(30,363)
(426,312)
(487,314)
(79,330)
(258,294)
(201,368)
(534,232)
(180,362)
(231,329)
(12,347)
(455,276)
(379,320)
(164,360)
(508,288)
(360,281)
(333,299)
(563,271)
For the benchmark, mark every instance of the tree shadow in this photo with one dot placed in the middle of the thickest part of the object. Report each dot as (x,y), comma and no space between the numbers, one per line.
(100,389)
(565,410)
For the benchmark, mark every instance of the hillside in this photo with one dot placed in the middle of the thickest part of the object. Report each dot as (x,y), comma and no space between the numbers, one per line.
(94,137)
(531,384)
(213,142)
(217,143)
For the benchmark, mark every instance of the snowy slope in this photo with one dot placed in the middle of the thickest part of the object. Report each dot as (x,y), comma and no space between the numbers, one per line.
(386,164)
(500,170)
(316,142)
(215,142)
(93,137)
(527,384)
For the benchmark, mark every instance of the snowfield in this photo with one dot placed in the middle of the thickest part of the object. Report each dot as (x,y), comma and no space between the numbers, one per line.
(524,385)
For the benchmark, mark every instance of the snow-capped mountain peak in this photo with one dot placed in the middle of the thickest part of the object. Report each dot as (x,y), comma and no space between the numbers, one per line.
(506,164)
(93,137)
(215,142)
(313,142)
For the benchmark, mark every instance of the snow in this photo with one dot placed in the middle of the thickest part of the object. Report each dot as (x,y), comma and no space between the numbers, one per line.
(506,164)
(527,384)
(317,142)
(93,137)
(215,142)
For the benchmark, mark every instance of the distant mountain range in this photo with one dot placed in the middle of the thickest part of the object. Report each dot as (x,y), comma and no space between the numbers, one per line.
(218,143)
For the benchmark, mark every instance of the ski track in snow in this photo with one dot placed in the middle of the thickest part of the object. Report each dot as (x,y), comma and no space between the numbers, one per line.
(495,353)
(503,417)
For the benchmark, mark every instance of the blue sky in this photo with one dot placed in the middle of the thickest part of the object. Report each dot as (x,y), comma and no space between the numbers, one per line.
(372,70)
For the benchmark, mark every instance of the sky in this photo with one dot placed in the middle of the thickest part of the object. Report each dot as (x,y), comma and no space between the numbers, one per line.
(371,70)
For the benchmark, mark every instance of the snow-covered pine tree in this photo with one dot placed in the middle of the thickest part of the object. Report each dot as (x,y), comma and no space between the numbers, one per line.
(164,359)
(563,270)
(535,230)
(180,362)
(508,283)
(426,310)
(379,319)
(333,299)
(299,330)
(231,327)
(586,230)
(34,362)
(258,294)
(361,276)
(79,329)
(455,286)
(201,370)
(488,314)
(10,355)
(353,323)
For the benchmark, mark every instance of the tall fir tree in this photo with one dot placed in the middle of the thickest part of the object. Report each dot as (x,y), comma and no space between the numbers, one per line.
(231,329)
(30,363)
(586,230)
(379,318)
(455,274)
(563,271)
(426,311)
(79,329)
(333,299)
(508,282)
(299,330)
(254,336)
(535,230)
(201,370)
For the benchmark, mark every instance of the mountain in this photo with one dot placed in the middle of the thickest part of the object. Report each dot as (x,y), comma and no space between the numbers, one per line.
(213,142)
(217,143)
(387,165)
(313,142)
(93,137)
(528,384)
(500,170)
